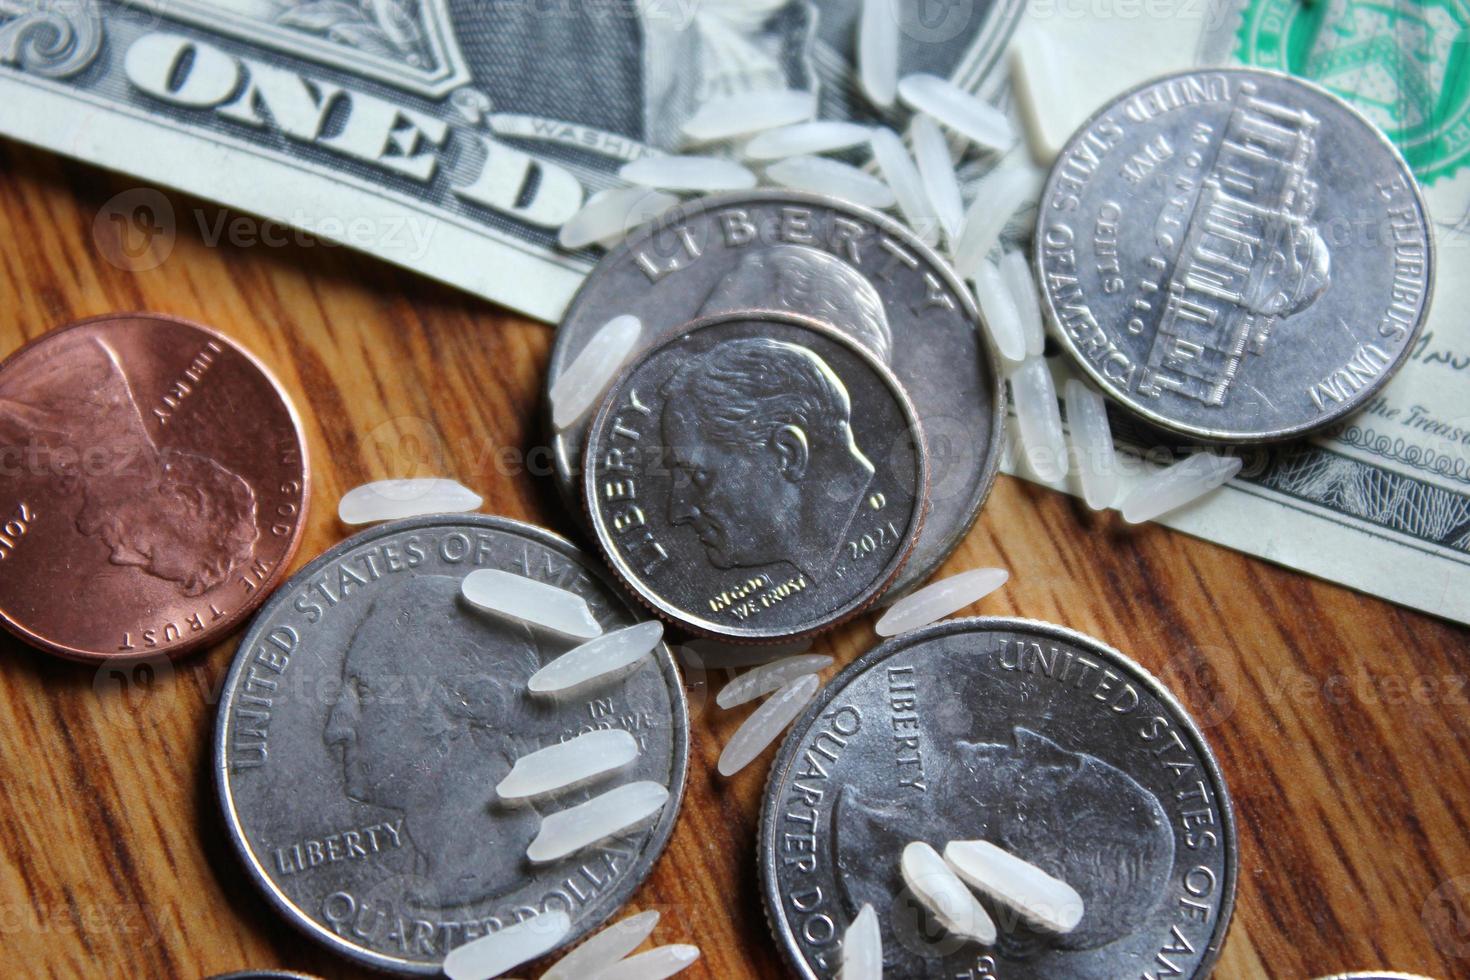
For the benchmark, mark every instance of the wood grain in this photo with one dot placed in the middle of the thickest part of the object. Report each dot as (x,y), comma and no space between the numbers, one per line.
(1343,723)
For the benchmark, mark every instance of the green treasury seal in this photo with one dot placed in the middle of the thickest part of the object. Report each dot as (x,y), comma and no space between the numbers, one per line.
(1404,65)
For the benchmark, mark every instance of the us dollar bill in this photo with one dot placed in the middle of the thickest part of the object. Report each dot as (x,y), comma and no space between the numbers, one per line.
(485,123)
(1381,503)
(482,125)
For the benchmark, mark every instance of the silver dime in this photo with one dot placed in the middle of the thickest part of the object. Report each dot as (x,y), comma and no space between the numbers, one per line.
(1039,739)
(822,257)
(368,716)
(757,477)
(1234,254)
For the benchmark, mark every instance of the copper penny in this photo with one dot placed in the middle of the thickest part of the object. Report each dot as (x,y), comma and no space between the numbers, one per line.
(153,487)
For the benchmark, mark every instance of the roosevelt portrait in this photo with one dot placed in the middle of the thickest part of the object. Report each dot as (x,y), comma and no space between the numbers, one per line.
(1075,816)
(765,465)
(811,282)
(73,428)
(431,704)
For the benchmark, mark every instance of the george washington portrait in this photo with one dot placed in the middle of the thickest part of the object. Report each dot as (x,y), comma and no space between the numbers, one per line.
(1075,816)
(428,718)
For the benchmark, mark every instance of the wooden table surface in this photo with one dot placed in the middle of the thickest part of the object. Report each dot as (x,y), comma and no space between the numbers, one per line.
(1342,722)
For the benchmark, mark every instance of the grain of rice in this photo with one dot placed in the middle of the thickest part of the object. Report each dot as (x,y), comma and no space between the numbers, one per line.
(656,964)
(878,36)
(977,121)
(1180,484)
(568,831)
(569,763)
(939,599)
(898,169)
(688,173)
(610,214)
(393,500)
(1039,420)
(1092,441)
(1046,93)
(602,659)
(707,654)
(604,949)
(998,196)
(804,139)
(1022,284)
(529,601)
(823,176)
(998,310)
(747,113)
(862,948)
(508,947)
(578,387)
(769,677)
(1048,902)
(936,168)
(766,723)
(936,885)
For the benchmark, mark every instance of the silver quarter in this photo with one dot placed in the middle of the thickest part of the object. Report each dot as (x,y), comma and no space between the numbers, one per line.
(817,256)
(1234,254)
(758,477)
(1039,739)
(368,716)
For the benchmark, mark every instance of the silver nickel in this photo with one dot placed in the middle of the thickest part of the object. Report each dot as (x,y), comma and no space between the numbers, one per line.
(821,257)
(1034,737)
(759,477)
(369,714)
(1236,255)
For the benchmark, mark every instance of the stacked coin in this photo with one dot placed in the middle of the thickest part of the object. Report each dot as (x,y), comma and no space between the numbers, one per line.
(813,419)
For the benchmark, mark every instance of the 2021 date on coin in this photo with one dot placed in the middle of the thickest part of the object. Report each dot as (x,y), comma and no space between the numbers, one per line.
(758,477)
(856,270)
(153,487)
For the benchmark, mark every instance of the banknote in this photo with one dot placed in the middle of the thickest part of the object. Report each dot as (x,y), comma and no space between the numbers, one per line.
(454,136)
(483,124)
(1382,502)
